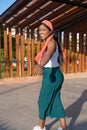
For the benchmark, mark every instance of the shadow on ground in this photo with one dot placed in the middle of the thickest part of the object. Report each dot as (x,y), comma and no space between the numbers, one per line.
(73,111)
(5,126)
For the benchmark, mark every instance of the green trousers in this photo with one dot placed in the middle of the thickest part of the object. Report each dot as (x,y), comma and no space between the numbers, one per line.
(49,101)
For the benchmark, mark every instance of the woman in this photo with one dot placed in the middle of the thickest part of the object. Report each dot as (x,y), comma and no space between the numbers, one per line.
(48,61)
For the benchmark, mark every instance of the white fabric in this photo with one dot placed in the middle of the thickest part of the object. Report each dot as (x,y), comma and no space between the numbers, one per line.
(53,62)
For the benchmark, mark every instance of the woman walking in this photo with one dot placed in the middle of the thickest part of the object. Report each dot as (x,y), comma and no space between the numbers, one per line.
(48,62)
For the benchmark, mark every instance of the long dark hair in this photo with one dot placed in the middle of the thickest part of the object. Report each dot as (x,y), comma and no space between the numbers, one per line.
(60,57)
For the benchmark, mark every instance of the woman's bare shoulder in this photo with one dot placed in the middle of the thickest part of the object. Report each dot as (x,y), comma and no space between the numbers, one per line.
(52,42)
(52,45)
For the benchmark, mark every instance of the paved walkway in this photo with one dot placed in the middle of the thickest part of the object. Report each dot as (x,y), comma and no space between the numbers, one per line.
(18,103)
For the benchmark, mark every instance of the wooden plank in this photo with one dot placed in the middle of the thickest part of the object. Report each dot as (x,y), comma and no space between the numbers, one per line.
(69,54)
(37,14)
(74,52)
(81,53)
(66,45)
(28,52)
(0,53)
(17,53)
(53,15)
(32,50)
(38,46)
(38,43)
(10,53)
(24,14)
(86,52)
(6,53)
(22,52)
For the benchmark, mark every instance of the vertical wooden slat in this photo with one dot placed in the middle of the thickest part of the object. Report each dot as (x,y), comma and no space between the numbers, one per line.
(74,52)
(10,53)
(0,53)
(65,41)
(17,53)
(66,44)
(38,43)
(83,56)
(77,53)
(68,54)
(32,58)
(22,53)
(86,52)
(38,46)
(81,53)
(28,52)
(6,53)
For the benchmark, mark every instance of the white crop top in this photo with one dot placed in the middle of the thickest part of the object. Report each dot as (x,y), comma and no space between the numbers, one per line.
(53,62)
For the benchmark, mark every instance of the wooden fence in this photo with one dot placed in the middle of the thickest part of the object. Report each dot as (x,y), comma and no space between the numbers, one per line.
(21,47)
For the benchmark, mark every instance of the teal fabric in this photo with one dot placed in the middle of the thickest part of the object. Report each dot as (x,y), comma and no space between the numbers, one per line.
(49,101)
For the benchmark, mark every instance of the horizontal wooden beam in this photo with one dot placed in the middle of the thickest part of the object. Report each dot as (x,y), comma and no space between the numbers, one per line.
(38,15)
(24,14)
(53,15)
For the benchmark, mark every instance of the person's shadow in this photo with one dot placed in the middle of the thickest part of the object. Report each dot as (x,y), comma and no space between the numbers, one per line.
(73,111)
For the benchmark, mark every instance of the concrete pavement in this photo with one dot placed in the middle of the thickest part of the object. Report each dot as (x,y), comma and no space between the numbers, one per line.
(18,103)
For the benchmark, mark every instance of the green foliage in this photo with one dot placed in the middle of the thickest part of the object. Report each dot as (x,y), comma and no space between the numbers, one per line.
(1,54)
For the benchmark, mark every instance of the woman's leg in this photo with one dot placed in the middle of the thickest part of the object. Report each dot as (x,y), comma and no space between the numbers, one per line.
(63,123)
(42,124)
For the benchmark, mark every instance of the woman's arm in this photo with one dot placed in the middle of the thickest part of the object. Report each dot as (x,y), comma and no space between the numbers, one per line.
(50,50)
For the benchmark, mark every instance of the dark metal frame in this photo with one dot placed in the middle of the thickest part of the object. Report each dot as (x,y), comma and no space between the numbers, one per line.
(74,2)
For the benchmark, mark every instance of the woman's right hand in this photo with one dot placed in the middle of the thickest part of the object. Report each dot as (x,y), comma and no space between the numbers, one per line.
(38,70)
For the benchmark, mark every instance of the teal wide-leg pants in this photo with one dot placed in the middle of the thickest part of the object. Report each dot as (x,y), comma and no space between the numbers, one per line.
(49,101)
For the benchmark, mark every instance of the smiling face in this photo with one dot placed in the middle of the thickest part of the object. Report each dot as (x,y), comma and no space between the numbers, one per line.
(44,32)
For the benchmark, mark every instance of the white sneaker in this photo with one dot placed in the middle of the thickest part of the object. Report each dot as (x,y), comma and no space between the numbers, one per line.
(59,128)
(38,128)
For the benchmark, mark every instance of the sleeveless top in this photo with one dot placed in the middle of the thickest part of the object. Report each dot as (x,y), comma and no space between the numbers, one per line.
(53,62)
